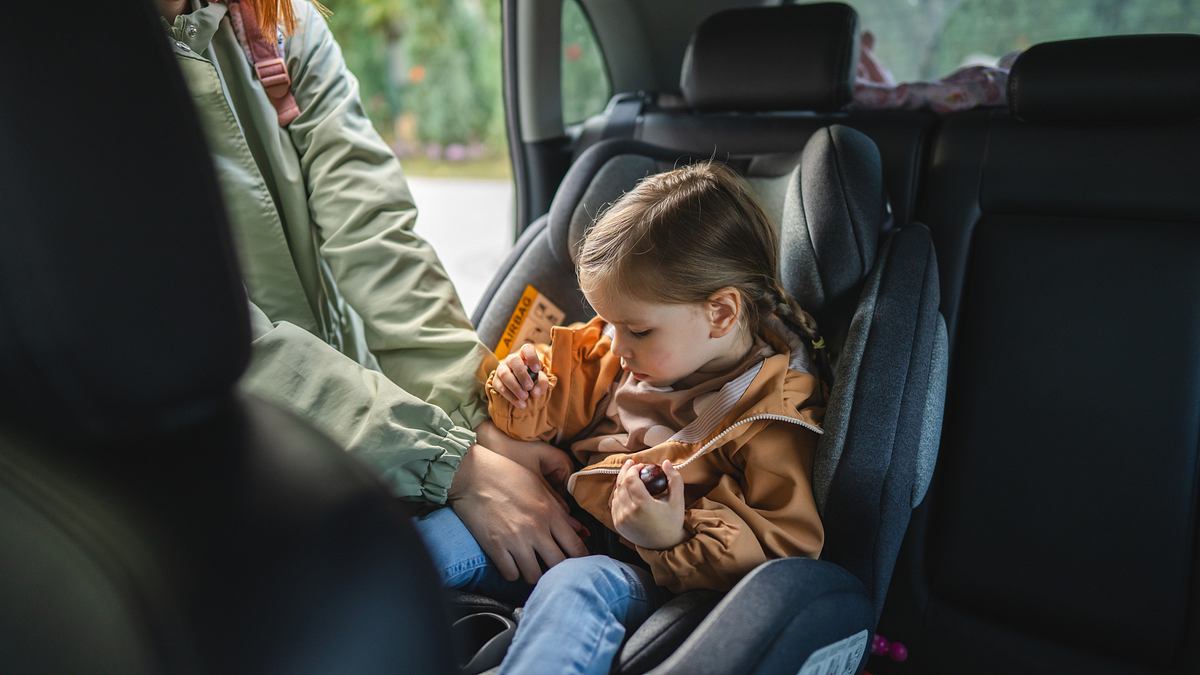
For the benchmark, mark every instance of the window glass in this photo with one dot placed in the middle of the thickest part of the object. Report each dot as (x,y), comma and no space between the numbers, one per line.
(922,40)
(429,75)
(585,85)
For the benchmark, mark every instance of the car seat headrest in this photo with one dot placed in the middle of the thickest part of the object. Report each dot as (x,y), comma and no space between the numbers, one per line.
(833,217)
(121,308)
(598,178)
(796,57)
(829,203)
(1107,79)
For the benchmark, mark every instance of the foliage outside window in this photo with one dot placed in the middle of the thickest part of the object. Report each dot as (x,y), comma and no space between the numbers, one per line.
(585,85)
(928,39)
(430,77)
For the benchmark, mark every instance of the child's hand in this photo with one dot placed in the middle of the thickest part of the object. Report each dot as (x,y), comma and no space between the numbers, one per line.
(519,376)
(642,519)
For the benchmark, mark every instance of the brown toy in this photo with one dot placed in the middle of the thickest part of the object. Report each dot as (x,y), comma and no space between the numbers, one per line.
(654,479)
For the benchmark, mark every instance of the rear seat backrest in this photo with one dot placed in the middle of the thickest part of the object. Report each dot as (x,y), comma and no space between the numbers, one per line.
(1062,529)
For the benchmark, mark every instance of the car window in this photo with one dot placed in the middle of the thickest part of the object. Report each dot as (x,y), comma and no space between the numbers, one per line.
(430,79)
(585,84)
(926,39)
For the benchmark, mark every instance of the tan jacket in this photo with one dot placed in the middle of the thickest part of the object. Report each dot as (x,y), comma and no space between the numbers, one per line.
(747,467)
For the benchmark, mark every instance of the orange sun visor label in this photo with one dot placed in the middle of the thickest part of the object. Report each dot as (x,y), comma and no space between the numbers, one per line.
(531,321)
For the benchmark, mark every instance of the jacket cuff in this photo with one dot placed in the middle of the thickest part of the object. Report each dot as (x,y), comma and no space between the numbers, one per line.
(524,424)
(435,484)
(470,414)
(703,560)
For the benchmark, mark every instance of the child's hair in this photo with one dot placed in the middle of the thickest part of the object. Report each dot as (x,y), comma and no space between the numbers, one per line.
(682,235)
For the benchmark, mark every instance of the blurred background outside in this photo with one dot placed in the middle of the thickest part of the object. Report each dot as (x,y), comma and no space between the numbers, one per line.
(923,40)
(430,77)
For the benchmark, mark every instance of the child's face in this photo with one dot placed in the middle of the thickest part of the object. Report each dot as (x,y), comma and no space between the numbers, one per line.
(661,344)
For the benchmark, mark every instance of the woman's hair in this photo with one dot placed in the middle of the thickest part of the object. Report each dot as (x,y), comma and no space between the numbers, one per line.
(680,236)
(278,13)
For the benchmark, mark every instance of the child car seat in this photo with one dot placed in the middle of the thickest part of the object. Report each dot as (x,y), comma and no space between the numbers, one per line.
(877,301)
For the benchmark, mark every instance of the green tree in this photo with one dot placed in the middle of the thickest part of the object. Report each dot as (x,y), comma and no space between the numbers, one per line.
(367,31)
(442,36)
(585,85)
(927,39)
(438,59)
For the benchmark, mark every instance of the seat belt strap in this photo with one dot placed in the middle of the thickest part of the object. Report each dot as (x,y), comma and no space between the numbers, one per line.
(266,55)
(623,112)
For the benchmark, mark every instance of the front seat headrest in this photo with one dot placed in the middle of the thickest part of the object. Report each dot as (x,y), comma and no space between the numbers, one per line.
(1107,79)
(797,57)
(121,309)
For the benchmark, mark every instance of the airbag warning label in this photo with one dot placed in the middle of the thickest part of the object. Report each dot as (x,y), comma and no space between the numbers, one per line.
(531,321)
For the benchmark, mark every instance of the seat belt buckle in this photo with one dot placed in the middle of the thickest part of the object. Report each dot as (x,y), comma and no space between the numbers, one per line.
(273,75)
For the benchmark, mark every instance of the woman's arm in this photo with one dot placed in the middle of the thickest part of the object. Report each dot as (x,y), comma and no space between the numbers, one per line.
(414,446)
(414,323)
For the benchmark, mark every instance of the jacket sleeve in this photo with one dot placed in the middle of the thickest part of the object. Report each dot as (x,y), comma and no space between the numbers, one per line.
(413,445)
(359,199)
(767,512)
(533,422)
(580,367)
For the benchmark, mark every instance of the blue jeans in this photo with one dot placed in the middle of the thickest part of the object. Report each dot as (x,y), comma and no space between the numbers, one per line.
(577,615)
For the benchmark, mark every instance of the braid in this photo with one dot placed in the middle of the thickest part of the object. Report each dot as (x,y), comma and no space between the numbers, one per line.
(792,314)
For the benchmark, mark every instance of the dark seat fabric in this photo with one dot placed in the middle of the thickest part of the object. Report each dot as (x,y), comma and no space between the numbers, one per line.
(1061,532)
(152,519)
(878,304)
(802,57)
(901,136)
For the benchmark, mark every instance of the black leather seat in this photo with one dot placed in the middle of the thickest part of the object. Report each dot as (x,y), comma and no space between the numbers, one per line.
(877,300)
(151,519)
(1061,533)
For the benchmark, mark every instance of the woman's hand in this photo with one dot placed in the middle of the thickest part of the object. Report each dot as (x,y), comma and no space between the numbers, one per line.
(541,458)
(644,520)
(520,376)
(519,522)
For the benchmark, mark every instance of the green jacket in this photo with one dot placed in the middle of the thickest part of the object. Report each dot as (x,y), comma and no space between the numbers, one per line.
(356,325)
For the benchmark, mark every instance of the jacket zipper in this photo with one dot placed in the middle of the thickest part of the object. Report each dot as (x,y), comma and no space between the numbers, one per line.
(712,441)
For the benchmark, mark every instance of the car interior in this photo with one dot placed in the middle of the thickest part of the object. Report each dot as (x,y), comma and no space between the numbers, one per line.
(1009,475)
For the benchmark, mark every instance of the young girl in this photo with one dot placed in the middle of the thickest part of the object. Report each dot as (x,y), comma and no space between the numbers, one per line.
(697,361)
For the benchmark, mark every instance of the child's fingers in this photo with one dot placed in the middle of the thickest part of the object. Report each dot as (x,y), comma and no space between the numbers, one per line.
(509,388)
(634,486)
(541,382)
(530,357)
(624,471)
(613,496)
(536,374)
(621,487)
(674,484)
(520,370)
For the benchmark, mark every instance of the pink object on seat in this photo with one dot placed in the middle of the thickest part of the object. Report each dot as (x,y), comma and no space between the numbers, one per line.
(965,88)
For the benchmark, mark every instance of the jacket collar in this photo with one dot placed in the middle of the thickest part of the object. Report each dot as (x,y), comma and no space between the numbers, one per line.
(195,29)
